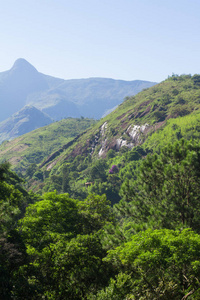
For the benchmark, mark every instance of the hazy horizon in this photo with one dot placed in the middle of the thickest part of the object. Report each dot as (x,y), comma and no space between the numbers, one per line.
(126,40)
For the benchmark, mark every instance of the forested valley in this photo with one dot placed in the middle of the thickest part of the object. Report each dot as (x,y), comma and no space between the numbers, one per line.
(121,225)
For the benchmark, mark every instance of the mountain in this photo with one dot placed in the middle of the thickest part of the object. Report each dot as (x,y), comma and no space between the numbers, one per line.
(24,85)
(27,119)
(94,96)
(141,124)
(15,86)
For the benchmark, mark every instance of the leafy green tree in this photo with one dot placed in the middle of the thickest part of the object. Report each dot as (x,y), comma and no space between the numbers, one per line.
(45,220)
(47,223)
(95,211)
(63,246)
(98,170)
(54,183)
(160,264)
(13,257)
(31,170)
(110,188)
(118,289)
(166,192)
(196,79)
(13,200)
(111,153)
(65,179)
(77,268)
(38,175)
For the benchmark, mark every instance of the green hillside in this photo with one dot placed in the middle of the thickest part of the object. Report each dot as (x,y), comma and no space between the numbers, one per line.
(33,147)
(111,212)
(141,124)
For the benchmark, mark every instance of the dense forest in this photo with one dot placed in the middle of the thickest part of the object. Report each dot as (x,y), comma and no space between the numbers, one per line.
(147,246)
(121,226)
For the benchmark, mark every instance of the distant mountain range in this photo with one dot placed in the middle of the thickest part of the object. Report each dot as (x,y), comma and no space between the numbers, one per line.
(26,120)
(23,86)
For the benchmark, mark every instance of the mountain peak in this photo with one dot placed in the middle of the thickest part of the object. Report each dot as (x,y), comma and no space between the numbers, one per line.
(22,64)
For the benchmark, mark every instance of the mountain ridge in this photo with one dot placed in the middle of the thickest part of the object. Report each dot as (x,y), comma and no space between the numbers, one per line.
(91,97)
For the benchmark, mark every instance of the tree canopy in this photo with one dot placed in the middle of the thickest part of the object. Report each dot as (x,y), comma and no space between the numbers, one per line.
(147,246)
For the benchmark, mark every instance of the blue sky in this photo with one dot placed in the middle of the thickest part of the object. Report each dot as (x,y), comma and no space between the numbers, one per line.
(120,39)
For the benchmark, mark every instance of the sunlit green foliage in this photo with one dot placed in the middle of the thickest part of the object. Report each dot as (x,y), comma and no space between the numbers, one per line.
(187,127)
(160,264)
(166,192)
(33,147)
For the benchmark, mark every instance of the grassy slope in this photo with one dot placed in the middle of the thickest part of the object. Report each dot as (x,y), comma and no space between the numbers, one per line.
(187,127)
(33,147)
